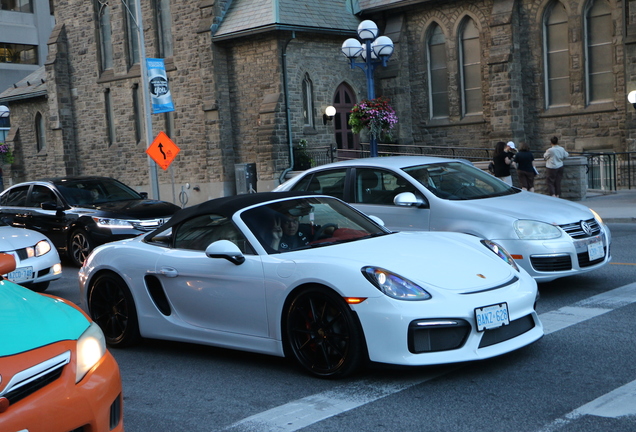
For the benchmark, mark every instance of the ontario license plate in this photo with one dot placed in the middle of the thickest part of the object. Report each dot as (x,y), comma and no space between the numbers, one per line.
(21,274)
(489,317)
(595,250)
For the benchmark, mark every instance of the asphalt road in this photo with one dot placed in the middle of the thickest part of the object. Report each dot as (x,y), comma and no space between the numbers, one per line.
(580,377)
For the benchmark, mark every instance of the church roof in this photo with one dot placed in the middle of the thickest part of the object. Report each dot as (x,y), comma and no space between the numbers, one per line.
(33,85)
(246,17)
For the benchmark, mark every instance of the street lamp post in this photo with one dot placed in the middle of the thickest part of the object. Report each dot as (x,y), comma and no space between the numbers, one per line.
(375,51)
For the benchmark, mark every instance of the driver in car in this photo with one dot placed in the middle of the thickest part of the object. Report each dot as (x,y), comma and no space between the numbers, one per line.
(287,235)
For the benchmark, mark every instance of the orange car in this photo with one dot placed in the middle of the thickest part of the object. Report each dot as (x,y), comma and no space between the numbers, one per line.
(55,372)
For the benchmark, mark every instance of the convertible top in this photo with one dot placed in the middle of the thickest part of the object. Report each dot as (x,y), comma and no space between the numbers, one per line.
(227,206)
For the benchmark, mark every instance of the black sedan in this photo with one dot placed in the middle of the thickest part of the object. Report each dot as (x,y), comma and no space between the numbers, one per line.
(79,213)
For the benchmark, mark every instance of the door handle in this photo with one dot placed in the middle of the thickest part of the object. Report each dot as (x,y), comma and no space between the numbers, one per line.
(169,272)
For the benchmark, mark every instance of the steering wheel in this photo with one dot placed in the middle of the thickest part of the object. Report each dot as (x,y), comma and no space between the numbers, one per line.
(325,227)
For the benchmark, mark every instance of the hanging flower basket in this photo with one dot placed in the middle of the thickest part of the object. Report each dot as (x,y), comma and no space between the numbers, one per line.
(376,115)
(6,156)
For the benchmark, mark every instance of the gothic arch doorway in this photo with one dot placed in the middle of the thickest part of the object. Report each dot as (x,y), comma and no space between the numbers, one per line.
(347,142)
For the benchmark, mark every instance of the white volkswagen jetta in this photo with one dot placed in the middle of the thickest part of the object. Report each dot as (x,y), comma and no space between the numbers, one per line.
(549,237)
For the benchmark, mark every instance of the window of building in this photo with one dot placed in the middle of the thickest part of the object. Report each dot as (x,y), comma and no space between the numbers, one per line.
(470,68)
(102,12)
(137,98)
(308,102)
(17,5)
(598,59)
(110,124)
(40,132)
(164,28)
(557,56)
(18,53)
(437,73)
(132,35)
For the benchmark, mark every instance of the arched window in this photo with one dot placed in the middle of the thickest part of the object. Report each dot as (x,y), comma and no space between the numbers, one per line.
(598,48)
(470,68)
(437,73)
(132,37)
(40,133)
(556,56)
(308,102)
(102,12)
(164,28)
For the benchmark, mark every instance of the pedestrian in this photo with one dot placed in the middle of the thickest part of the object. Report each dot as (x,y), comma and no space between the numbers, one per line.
(501,162)
(554,157)
(525,167)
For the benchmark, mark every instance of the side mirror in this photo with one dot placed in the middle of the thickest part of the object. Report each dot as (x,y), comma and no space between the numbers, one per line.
(144,195)
(376,220)
(408,199)
(7,263)
(225,249)
(50,205)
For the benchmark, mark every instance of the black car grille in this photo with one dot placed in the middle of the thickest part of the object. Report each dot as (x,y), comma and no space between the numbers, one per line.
(551,263)
(30,380)
(437,335)
(576,230)
(584,259)
(507,332)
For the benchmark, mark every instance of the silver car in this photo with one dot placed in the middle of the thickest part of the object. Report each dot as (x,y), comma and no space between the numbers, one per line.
(549,237)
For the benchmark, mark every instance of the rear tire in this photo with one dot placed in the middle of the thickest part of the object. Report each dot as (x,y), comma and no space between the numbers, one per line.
(323,334)
(112,307)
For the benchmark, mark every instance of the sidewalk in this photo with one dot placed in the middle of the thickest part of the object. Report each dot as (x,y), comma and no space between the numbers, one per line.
(619,207)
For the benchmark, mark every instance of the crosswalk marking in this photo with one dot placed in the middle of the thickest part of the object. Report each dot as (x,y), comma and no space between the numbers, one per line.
(303,412)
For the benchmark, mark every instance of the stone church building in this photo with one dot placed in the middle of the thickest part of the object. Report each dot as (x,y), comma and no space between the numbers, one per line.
(250,79)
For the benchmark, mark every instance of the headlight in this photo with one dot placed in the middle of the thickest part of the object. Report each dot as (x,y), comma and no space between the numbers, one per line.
(500,252)
(534,230)
(393,285)
(112,223)
(41,248)
(597,217)
(91,347)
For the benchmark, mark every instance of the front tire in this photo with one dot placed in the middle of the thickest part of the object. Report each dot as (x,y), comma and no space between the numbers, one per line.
(323,334)
(112,307)
(80,246)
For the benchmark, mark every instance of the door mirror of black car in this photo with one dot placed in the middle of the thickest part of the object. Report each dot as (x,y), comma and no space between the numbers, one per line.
(408,199)
(144,195)
(50,205)
(225,249)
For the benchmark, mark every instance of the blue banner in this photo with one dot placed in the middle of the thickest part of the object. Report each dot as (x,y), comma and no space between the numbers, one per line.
(160,96)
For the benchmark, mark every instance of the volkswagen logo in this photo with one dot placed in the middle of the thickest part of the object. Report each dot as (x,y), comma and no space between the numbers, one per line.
(586,227)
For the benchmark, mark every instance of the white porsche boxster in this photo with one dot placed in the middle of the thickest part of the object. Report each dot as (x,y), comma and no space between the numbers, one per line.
(310,277)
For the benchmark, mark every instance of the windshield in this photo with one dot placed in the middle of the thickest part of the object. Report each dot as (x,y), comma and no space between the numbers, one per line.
(459,181)
(308,222)
(95,191)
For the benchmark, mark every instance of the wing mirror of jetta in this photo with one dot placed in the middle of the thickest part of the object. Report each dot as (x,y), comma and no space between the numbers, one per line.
(408,199)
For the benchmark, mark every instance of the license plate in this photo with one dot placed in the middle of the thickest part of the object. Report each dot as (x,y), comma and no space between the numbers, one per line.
(21,274)
(489,317)
(595,250)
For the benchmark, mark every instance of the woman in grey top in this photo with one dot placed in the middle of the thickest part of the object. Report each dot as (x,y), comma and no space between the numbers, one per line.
(554,166)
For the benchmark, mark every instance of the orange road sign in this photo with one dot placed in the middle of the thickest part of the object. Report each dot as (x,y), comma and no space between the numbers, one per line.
(163,150)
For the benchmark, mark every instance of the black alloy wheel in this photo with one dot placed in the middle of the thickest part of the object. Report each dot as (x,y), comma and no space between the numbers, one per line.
(323,334)
(112,307)
(80,246)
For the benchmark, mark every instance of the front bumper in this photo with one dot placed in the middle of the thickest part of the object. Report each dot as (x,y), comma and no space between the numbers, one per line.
(94,404)
(546,260)
(390,326)
(44,268)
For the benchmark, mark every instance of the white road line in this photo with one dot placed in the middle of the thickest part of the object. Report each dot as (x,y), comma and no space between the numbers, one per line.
(312,409)
(588,308)
(618,403)
(303,412)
